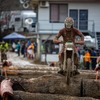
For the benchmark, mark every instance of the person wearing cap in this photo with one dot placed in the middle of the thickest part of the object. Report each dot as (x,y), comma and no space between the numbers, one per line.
(68,33)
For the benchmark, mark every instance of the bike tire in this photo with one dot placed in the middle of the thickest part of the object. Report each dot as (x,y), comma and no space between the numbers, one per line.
(69,64)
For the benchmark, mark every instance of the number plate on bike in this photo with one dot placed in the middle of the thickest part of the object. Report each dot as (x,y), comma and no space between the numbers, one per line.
(69,45)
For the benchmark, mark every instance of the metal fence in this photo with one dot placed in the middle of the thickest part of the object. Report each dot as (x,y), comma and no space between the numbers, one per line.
(45,26)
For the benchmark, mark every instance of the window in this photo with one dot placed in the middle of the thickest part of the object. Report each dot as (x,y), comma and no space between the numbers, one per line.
(74,14)
(80,17)
(83,19)
(58,12)
(17,19)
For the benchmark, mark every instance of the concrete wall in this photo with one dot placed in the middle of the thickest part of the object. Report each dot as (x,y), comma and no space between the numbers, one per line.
(46,27)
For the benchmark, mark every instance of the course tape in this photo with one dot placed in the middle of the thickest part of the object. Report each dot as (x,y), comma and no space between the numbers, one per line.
(90,56)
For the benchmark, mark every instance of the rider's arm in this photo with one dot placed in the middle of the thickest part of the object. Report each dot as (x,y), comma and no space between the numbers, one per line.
(56,38)
(81,36)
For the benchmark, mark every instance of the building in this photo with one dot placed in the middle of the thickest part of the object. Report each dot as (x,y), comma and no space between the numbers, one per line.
(52,13)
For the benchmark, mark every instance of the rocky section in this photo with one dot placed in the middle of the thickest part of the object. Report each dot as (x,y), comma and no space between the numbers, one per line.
(56,84)
(20,95)
(42,82)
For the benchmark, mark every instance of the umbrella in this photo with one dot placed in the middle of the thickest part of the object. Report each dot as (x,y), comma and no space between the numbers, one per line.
(14,35)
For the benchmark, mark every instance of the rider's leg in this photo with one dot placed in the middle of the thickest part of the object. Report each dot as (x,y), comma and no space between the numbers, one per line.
(76,60)
(76,63)
(61,63)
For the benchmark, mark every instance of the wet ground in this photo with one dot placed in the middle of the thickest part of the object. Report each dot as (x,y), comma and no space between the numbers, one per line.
(45,79)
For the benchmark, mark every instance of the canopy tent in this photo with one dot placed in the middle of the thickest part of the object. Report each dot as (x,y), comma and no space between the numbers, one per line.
(14,35)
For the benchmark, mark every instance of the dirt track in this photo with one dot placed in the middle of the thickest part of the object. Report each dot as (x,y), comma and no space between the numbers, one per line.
(40,79)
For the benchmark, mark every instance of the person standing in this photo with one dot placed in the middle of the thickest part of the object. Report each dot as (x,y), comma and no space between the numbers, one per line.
(18,46)
(87,59)
(13,46)
(30,51)
(3,51)
(97,68)
(93,58)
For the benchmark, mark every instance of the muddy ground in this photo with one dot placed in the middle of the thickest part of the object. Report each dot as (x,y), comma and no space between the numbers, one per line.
(42,82)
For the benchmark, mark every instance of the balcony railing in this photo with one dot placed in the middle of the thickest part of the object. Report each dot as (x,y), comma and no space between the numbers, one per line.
(46,27)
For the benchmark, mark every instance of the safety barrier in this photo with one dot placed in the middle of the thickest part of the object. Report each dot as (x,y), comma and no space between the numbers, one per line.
(90,56)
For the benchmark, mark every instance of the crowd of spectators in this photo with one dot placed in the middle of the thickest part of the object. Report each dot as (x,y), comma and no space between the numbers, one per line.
(25,48)
(88,58)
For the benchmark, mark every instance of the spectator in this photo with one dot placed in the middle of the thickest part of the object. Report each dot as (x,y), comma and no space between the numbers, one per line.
(28,43)
(97,52)
(81,61)
(5,67)
(18,46)
(3,55)
(13,47)
(93,58)
(3,51)
(23,49)
(6,46)
(35,49)
(97,68)
(30,50)
(87,59)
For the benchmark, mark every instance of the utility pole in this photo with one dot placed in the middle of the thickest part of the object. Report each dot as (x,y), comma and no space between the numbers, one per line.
(38,42)
(0,14)
(95,35)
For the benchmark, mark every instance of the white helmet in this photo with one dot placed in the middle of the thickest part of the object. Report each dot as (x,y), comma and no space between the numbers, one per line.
(69,22)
